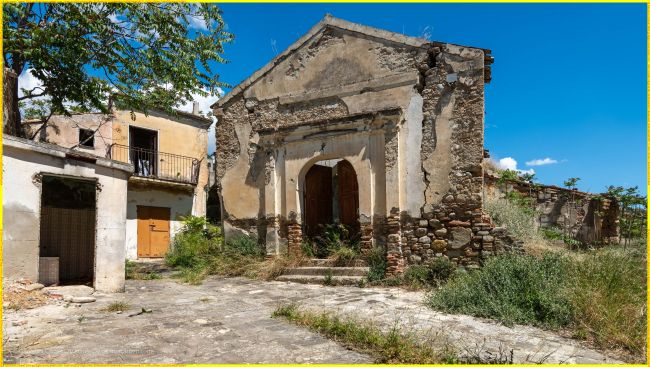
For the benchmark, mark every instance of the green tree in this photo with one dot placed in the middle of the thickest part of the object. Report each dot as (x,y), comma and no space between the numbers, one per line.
(571,183)
(141,54)
(632,212)
(505,176)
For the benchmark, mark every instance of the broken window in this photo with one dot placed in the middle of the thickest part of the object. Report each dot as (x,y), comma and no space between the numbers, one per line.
(87,138)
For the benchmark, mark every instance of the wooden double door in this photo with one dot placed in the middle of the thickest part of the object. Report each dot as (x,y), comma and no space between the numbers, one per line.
(331,190)
(153,231)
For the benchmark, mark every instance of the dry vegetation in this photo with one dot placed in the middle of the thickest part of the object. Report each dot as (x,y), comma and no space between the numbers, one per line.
(595,294)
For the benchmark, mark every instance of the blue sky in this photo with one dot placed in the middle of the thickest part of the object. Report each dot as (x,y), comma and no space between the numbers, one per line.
(569,81)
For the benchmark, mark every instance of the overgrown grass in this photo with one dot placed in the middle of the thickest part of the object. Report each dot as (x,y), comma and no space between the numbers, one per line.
(511,288)
(376,258)
(199,250)
(608,294)
(334,241)
(518,219)
(393,346)
(599,296)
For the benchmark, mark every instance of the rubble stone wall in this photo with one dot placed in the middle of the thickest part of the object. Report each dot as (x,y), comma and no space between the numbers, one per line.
(589,218)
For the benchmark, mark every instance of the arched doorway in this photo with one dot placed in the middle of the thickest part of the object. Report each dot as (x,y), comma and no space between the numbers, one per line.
(331,196)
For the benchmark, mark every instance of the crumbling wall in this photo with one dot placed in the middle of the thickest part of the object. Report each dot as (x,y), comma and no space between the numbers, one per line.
(451,223)
(426,177)
(589,218)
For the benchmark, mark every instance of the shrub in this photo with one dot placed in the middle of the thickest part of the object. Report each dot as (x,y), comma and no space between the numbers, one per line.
(344,256)
(377,264)
(194,244)
(440,270)
(334,237)
(417,276)
(307,249)
(557,235)
(245,246)
(434,274)
(513,289)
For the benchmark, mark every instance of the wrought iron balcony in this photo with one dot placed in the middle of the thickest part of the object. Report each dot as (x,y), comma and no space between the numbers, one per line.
(157,165)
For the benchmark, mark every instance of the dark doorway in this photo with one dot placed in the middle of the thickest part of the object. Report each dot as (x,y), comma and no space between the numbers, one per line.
(68,227)
(348,195)
(318,198)
(331,196)
(143,151)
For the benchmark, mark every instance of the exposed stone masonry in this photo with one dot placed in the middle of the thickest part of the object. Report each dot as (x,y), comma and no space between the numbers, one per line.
(329,96)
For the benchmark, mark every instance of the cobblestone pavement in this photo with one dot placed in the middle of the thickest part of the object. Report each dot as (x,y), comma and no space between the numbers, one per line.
(228,321)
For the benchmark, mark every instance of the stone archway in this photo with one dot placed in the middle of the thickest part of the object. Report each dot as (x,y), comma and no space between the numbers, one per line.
(331,195)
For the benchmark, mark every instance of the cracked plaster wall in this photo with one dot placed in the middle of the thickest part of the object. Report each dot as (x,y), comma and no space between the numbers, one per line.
(425,162)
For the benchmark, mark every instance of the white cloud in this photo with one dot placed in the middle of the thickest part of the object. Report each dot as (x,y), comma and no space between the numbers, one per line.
(197,22)
(28,82)
(511,164)
(541,162)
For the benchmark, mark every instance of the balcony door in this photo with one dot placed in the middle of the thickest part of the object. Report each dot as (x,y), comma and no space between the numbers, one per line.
(143,151)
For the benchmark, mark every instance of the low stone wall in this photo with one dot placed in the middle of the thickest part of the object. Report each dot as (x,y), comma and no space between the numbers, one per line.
(465,243)
(589,218)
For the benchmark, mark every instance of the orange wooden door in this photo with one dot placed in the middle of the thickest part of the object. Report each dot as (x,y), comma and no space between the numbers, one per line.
(153,231)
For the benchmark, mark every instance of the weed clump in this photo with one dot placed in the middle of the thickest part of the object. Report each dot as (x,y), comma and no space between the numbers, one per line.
(199,250)
(514,289)
(117,307)
(376,258)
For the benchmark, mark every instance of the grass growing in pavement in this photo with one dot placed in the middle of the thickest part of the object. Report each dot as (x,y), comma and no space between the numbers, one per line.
(117,306)
(386,347)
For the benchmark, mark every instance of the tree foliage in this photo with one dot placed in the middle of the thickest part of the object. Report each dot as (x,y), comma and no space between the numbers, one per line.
(146,54)
(632,211)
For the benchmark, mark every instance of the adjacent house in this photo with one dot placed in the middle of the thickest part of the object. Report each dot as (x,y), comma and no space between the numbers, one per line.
(91,190)
(64,215)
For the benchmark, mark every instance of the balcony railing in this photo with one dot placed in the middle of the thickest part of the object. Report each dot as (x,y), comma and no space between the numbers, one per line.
(157,165)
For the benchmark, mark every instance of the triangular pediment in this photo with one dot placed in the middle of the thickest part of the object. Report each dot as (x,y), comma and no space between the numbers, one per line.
(332,54)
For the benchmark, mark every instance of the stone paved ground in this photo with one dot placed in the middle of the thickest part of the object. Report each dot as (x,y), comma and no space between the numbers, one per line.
(228,321)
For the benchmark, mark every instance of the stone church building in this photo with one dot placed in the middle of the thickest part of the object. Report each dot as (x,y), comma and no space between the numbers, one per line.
(369,128)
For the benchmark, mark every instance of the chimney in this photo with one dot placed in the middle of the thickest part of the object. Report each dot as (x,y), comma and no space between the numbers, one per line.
(195,108)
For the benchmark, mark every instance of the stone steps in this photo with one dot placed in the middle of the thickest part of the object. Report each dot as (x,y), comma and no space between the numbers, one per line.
(323,271)
(330,263)
(317,271)
(319,279)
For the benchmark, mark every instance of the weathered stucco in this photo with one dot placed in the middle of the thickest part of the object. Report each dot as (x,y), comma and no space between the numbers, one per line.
(64,131)
(24,163)
(406,113)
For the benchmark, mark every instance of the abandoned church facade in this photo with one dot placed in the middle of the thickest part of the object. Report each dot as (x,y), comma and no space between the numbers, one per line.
(364,127)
